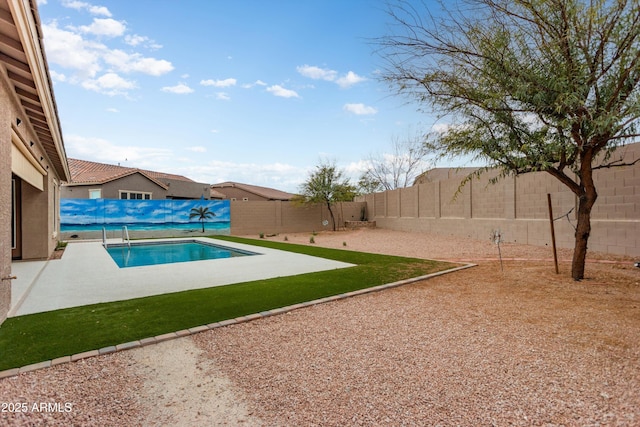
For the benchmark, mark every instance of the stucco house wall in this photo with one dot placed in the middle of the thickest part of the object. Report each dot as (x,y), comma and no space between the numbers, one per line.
(240,194)
(111,190)
(32,156)
(7,115)
(179,189)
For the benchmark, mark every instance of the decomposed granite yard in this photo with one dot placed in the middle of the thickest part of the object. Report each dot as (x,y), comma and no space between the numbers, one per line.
(481,346)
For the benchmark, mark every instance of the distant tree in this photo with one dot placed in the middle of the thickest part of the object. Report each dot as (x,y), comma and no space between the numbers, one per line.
(367,184)
(530,85)
(397,169)
(326,185)
(202,213)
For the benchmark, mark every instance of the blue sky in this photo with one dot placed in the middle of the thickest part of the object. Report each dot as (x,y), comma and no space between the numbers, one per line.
(251,91)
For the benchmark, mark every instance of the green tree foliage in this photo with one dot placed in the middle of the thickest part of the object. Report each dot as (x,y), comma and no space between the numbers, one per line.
(326,185)
(528,85)
(202,213)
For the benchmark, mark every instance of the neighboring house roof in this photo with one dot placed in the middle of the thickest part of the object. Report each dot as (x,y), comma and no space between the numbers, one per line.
(84,172)
(22,55)
(267,193)
(216,194)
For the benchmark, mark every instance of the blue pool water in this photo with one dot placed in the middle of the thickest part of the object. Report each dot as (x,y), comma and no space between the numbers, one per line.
(152,253)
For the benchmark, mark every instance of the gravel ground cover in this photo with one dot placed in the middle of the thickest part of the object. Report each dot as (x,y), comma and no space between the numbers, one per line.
(483,346)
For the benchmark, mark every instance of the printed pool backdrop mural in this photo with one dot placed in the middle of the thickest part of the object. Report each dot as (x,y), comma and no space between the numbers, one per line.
(79,215)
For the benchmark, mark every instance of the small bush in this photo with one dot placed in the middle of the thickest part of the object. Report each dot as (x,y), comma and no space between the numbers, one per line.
(344,243)
(261,235)
(312,240)
(286,239)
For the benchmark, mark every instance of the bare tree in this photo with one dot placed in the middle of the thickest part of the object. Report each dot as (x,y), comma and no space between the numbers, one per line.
(397,169)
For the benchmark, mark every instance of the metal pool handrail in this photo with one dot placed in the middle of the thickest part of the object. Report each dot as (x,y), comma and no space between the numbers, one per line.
(125,235)
(104,237)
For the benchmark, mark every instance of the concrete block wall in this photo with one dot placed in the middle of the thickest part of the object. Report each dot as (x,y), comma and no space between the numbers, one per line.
(452,202)
(619,190)
(518,207)
(393,202)
(426,195)
(409,202)
(274,217)
(487,200)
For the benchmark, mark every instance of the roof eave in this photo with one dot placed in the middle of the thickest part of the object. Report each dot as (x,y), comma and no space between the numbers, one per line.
(25,14)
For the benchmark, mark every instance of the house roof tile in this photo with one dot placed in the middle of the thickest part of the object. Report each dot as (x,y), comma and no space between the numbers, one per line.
(268,193)
(84,172)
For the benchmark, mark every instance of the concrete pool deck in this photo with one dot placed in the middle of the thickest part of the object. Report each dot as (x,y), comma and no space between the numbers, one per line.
(87,274)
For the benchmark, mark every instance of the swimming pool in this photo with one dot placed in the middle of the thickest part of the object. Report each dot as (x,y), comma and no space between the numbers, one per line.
(163,252)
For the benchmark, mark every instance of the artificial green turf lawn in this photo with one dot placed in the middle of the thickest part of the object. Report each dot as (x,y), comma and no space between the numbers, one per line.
(43,336)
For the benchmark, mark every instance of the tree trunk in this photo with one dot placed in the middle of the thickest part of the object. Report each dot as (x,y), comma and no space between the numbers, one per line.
(583,230)
(333,220)
(586,201)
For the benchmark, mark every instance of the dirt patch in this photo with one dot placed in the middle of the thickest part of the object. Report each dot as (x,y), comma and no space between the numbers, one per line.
(485,346)
(57,254)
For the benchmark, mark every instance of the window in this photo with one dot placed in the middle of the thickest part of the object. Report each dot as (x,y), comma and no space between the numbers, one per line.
(95,193)
(14,215)
(134,195)
(245,199)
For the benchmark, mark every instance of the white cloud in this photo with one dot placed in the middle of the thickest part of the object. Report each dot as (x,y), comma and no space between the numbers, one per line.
(79,51)
(278,90)
(317,73)
(275,175)
(135,62)
(109,84)
(219,83)
(441,128)
(80,5)
(197,149)
(105,27)
(256,83)
(349,80)
(180,88)
(57,77)
(113,110)
(134,39)
(359,109)
(70,50)
(102,150)
(223,96)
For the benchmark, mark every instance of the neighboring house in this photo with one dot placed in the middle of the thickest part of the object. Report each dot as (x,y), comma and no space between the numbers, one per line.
(245,192)
(32,156)
(91,180)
